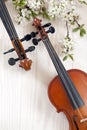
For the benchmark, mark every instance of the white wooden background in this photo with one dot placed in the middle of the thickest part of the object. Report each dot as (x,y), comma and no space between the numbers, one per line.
(24,103)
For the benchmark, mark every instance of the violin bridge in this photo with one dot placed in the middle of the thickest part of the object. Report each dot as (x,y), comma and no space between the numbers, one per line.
(83,120)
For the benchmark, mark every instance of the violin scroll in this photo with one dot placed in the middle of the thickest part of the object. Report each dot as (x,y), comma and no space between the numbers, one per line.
(26,64)
(37,22)
(40,29)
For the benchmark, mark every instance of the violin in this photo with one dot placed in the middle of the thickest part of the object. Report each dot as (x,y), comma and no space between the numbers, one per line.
(16,42)
(68,90)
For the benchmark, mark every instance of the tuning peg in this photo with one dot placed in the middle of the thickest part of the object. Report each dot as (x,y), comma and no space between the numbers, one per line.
(9,51)
(30,49)
(13,61)
(51,30)
(46,25)
(26,38)
(35,41)
(33,34)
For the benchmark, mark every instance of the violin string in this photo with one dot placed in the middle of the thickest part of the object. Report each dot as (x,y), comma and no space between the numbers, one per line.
(59,66)
(10,25)
(51,49)
(10,20)
(6,19)
(67,77)
(56,65)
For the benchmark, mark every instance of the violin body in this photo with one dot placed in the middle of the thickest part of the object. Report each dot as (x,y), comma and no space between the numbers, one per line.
(77,118)
(67,91)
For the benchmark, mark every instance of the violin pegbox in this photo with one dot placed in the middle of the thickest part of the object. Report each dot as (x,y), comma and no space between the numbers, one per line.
(50,30)
(13,61)
(41,30)
(24,63)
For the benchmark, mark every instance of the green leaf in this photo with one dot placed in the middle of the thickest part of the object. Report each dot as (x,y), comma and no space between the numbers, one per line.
(83,2)
(21,3)
(81,29)
(65,58)
(33,14)
(81,26)
(71,56)
(82,32)
(27,17)
(46,15)
(76,29)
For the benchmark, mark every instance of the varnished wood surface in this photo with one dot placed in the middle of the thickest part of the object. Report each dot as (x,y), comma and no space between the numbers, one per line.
(24,103)
(60,100)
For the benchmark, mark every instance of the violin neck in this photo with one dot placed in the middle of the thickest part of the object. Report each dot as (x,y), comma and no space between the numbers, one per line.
(7,21)
(68,85)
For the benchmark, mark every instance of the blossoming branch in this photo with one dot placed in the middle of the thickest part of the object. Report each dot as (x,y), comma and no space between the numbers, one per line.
(52,10)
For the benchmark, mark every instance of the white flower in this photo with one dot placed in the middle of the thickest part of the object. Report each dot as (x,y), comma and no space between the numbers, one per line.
(35,5)
(25,12)
(57,9)
(18,19)
(53,9)
(68,45)
(67,10)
